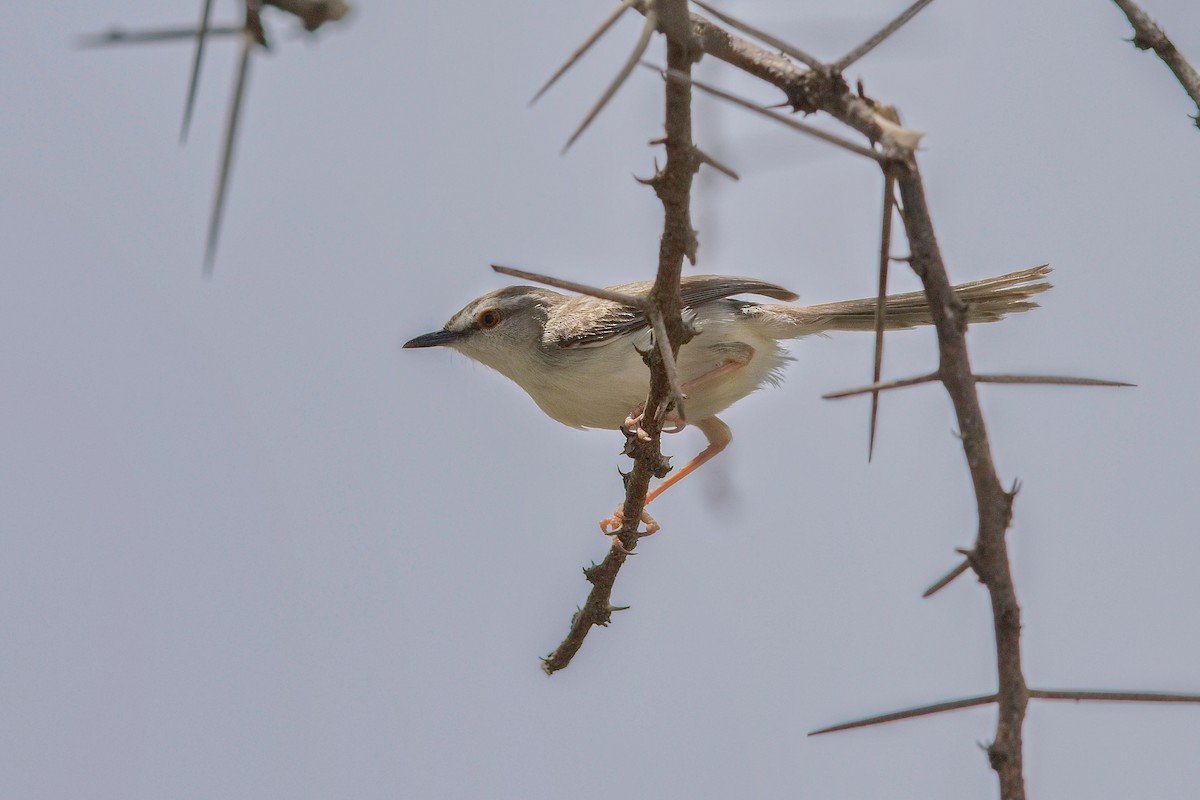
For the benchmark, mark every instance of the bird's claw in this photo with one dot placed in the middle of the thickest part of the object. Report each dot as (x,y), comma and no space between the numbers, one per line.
(676,422)
(633,423)
(614,524)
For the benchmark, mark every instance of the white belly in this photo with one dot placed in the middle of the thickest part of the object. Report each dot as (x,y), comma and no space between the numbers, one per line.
(610,380)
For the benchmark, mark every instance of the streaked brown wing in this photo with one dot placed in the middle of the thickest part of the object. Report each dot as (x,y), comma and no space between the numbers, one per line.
(587,321)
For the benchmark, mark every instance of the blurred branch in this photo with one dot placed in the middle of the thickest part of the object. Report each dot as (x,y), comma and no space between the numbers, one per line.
(312,14)
(189,104)
(122,36)
(251,35)
(648,28)
(1147,35)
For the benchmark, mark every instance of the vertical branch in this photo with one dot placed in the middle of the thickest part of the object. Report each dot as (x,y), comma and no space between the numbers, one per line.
(824,89)
(885,260)
(989,557)
(673,185)
(810,91)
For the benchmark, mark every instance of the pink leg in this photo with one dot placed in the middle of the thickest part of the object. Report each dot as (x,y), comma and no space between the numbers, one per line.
(717,432)
(719,436)
(739,356)
(733,364)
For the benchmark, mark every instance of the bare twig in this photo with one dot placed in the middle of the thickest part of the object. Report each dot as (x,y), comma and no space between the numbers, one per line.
(249,39)
(194,78)
(1041,380)
(946,579)
(662,341)
(1113,697)
(780,45)
(806,90)
(705,158)
(1147,35)
(651,24)
(122,36)
(909,713)
(672,75)
(884,32)
(885,249)
(985,699)
(885,386)
(630,300)
(1049,380)
(608,22)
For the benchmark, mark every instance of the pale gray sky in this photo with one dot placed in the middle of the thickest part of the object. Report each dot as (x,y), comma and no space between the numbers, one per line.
(252,549)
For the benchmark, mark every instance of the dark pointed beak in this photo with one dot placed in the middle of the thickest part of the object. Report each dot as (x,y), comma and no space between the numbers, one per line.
(435,339)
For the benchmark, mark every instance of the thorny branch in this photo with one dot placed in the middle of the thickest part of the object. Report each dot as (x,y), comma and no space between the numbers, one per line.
(824,89)
(811,130)
(672,184)
(1147,35)
(989,556)
(821,87)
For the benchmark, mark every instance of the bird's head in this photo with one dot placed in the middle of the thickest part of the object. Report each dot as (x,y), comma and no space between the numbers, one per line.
(503,329)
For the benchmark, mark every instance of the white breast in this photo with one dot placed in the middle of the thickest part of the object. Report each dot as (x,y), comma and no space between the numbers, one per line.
(597,387)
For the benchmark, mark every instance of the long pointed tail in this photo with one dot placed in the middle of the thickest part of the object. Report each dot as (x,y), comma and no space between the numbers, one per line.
(990,300)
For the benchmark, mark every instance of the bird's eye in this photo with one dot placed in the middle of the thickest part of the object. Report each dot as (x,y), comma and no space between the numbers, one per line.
(488,319)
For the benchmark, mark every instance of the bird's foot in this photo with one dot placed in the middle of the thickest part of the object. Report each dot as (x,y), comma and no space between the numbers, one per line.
(633,423)
(614,523)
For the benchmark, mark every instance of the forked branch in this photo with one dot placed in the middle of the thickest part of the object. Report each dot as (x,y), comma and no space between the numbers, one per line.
(822,88)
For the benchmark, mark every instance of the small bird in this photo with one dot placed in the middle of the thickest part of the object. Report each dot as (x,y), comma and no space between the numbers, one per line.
(580,357)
